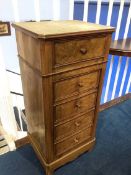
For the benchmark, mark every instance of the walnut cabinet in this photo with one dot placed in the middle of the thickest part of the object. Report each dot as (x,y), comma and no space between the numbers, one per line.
(62,68)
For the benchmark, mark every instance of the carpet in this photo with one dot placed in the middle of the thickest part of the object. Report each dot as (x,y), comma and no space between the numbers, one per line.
(110,156)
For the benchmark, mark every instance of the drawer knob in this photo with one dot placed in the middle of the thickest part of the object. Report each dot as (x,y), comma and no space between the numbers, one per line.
(76,140)
(77,124)
(80,84)
(83,50)
(78,105)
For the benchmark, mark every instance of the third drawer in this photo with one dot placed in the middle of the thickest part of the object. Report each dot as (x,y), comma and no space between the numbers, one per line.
(71,109)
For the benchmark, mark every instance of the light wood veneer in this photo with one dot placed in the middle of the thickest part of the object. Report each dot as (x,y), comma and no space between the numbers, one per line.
(62,68)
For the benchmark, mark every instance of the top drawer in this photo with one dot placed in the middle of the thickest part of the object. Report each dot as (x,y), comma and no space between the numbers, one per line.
(68,52)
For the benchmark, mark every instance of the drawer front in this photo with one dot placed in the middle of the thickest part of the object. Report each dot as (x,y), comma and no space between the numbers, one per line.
(77,50)
(71,127)
(74,107)
(64,89)
(72,142)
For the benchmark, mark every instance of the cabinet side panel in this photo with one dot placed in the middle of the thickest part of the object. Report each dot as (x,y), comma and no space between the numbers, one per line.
(49,117)
(29,49)
(108,41)
(47,55)
(107,46)
(33,98)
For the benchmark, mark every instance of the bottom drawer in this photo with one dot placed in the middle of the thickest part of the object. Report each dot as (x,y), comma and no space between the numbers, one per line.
(72,142)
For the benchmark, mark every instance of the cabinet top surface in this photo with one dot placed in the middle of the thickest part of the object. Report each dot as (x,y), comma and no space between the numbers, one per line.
(51,29)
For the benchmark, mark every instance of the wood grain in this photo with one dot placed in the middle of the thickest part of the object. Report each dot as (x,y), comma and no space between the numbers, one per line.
(73,126)
(62,68)
(52,29)
(77,50)
(22,142)
(29,50)
(74,107)
(121,47)
(72,142)
(114,102)
(32,88)
(103,107)
(76,85)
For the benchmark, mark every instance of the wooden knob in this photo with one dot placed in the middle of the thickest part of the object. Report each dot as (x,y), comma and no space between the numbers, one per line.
(78,105)
(77,124)
(80,84)
(83,50)
(76,140)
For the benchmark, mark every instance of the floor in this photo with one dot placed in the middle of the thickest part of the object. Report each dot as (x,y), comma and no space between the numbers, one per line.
(110,156)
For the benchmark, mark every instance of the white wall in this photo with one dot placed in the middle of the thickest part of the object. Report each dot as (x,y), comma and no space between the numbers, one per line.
(26,11)
(8,42)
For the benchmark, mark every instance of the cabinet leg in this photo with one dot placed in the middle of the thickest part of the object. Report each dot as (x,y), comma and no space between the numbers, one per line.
(49,171)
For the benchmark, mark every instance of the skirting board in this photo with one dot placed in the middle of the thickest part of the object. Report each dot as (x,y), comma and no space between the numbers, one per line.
(104,106)
(21,142)
(114,102)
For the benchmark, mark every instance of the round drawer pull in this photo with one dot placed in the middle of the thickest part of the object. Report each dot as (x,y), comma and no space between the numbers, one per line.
(76,140)
(83,50)
(80,84)
(78,105)
(77,124)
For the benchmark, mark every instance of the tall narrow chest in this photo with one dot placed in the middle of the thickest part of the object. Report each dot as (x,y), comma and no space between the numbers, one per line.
(62,68)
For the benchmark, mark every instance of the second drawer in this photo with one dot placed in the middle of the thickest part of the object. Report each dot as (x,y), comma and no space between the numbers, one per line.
(72,86)
(71,127)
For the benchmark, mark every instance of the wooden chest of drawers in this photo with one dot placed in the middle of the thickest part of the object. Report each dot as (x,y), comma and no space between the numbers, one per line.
(62,68)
